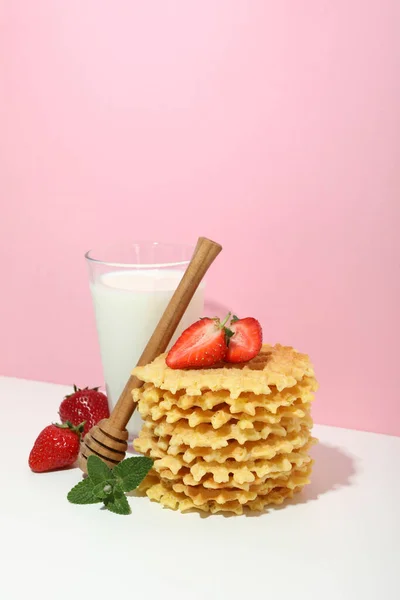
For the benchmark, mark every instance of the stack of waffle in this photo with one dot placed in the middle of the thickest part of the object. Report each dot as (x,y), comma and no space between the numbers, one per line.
(228,437)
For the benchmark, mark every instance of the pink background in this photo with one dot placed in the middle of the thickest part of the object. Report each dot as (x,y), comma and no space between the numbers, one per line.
(272,127)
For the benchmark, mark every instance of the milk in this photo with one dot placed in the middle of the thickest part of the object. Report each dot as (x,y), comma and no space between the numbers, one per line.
(128,305)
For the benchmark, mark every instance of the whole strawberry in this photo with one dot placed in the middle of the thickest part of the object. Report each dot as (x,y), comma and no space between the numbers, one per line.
(87,405)
(57,446)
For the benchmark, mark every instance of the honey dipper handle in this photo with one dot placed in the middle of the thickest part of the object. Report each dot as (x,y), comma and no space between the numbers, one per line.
(204,255)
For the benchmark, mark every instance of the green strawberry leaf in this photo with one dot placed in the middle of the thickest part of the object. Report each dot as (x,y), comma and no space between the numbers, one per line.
(83,493)
(117,502)
(131,471)
(98,470)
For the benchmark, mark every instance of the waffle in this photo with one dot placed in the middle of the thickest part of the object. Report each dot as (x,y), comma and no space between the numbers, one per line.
(210,483)
(222,413)
(229,438)
(278,366)
(155,447)
(231,471)
(204,436)
(151,397)
(201,495)
(166,496)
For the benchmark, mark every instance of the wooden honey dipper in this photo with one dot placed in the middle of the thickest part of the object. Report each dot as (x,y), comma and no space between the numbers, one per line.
(109,438)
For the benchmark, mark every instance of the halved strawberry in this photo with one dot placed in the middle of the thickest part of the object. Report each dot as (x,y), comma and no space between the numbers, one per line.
(246,341)
(201,345)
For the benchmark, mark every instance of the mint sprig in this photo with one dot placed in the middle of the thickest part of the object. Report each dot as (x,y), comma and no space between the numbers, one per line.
(83,493)
(131,471)
(109,485)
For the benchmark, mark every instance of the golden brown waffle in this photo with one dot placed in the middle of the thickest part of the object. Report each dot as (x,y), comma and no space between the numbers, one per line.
(230,471)
(161,401)
(278,366)
(209,483)
(221,413)
(164,494)
(204,436)
(201,495)
(155,447)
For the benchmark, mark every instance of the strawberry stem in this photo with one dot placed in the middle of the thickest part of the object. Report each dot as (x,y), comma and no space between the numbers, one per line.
(78,389)
(224,322)
(78,429)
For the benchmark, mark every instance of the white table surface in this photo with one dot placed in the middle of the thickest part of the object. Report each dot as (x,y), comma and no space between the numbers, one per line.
(340,539)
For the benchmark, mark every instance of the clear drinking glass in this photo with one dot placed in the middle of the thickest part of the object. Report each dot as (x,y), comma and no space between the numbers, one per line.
(131,285)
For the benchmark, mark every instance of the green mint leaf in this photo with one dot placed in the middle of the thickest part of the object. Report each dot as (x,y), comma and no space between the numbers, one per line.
(98,470)
(117,502)
(131,471)
(104,489)
(83,493)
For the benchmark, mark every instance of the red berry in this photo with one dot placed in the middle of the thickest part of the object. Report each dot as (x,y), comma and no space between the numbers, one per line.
(57,446)
(246,341)
(87,405)
(201,345)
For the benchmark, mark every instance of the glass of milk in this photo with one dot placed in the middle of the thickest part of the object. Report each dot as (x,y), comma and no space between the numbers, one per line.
(131,285)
